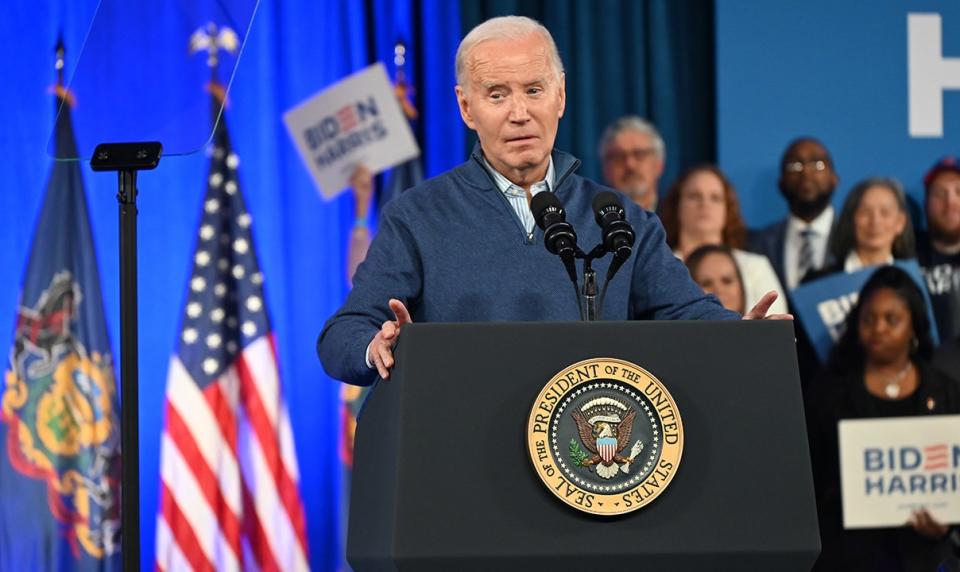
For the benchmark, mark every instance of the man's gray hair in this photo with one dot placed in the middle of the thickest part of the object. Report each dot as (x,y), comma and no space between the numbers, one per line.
(632,123)
(505,28)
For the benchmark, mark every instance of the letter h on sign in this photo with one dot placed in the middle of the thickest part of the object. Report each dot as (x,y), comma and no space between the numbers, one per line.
(929,74)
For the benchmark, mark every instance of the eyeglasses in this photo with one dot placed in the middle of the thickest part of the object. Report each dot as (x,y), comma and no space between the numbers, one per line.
(638,155)
(799,166)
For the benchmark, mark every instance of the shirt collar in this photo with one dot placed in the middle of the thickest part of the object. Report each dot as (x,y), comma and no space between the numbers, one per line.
(508,188)
(853,262)
(820,226)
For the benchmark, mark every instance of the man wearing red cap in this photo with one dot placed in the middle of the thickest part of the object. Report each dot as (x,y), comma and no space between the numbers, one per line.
(939,251)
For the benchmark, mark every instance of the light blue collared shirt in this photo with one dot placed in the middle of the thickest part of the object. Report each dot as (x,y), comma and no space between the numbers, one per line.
(518,197)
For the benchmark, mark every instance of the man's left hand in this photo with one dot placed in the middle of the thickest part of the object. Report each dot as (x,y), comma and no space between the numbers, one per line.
(759,312)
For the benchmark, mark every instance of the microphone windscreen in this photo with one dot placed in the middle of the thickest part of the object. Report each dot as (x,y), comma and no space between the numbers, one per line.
(541,204)
(602,203)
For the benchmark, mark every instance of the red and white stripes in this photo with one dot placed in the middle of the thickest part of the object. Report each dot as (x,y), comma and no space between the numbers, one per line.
(230,497)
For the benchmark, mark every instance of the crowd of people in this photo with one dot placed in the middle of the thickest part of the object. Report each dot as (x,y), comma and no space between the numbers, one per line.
(885,364)
(700,213)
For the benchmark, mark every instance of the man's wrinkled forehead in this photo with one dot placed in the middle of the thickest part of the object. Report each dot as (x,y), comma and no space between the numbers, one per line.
(488,61)
(944,178)
(630,138)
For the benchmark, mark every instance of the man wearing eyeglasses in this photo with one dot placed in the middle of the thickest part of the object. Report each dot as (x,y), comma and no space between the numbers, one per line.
(633,154)
(797,244)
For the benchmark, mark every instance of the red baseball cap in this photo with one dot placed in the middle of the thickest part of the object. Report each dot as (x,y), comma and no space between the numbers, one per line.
(946,163)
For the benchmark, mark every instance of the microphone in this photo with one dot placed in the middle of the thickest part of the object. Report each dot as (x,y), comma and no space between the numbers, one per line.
(618,235)
(558,235)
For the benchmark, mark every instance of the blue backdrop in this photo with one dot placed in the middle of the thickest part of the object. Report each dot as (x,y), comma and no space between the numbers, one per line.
(295,48)
(834,70)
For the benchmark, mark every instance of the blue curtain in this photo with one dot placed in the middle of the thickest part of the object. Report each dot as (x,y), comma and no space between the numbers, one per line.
(295,48)
(653,58)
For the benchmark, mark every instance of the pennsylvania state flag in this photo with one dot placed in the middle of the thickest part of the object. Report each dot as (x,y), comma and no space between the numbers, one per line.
(60,460)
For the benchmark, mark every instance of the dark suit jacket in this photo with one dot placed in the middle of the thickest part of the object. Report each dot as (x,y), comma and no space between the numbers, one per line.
(770,242)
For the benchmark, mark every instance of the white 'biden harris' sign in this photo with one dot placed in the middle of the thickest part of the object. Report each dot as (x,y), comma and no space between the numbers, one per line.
(891,467)
(357,122)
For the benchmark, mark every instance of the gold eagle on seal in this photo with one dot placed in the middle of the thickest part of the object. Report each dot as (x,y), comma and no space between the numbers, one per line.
(605,426)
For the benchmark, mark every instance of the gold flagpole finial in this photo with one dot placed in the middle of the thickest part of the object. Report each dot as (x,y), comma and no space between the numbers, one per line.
(211,39)
(60,89)
(401,88)
(61,51)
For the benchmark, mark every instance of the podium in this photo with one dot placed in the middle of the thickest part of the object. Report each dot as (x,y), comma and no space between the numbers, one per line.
(443,481)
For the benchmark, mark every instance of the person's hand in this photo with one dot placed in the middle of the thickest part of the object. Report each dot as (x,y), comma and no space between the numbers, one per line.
(759,312)
(381,346)
(361,181)
(924,523)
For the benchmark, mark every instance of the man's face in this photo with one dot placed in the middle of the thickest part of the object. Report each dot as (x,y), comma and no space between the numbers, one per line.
(943,207)
(514,100)
(807,179)
(631,164)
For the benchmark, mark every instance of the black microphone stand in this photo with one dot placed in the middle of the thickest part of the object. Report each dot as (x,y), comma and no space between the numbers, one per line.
(588,302)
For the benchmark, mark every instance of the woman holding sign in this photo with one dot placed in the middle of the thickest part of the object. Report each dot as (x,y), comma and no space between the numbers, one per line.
(879,368)
(873,229)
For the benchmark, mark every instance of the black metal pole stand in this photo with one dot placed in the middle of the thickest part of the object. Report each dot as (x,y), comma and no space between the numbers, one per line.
(589,293)
(127,159)
(588,299)
(129,372)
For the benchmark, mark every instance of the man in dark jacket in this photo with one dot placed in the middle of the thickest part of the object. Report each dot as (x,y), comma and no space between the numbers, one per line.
(798,244)
(463,246)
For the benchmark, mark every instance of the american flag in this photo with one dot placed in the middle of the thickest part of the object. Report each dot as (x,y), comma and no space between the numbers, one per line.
(229,495)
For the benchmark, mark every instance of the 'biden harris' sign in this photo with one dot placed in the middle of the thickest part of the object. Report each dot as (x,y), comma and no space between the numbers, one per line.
(357,122)
(891,467)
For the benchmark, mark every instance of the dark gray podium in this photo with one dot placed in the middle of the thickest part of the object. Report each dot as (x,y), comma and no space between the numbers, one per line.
(442,480)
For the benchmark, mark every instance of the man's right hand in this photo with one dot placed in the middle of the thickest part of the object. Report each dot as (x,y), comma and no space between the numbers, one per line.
(380,349)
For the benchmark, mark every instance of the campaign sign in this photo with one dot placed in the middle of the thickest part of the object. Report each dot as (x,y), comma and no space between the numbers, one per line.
(356,122)
(894,466)
(823,305)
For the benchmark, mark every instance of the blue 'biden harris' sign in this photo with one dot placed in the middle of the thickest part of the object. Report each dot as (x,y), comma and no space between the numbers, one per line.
(823,305)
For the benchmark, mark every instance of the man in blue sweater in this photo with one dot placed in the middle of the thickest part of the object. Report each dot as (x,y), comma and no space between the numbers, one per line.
(464,247)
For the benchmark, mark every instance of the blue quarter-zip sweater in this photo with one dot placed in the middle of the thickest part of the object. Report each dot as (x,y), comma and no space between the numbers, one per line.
(453,250)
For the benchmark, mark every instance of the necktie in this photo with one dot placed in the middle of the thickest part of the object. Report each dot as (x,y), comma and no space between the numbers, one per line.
(805,260)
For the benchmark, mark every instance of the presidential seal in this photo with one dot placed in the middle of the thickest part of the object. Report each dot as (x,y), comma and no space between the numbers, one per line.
(605,436)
